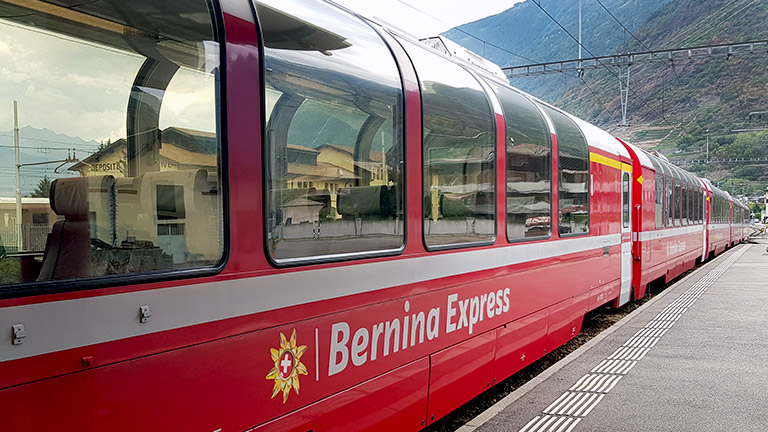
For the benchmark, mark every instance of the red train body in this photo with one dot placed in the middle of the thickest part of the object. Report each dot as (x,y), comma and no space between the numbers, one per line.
(471,265)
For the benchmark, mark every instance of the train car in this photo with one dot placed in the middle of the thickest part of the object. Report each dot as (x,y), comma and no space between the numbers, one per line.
(669,234)
(740,222)
(298,219)
(718,219)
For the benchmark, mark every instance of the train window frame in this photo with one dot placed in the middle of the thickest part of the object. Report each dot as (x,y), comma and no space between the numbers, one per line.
(510,125)
(215,52)
(383,201)
(424,60)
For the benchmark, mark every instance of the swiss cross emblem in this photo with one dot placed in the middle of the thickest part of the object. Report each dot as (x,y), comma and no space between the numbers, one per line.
(288,366)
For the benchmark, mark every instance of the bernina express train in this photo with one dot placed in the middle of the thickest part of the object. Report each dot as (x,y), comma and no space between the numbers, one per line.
(277,215)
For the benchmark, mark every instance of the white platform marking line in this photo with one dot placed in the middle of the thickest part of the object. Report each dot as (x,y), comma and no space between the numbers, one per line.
(545,426)
(573,425)
(576,403)
(555,427)
(558,402)
(529,424)
(585,405)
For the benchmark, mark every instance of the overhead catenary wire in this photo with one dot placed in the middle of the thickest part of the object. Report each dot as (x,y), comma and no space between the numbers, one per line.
(670,64)
(642,100)
(466,32)
(623,26)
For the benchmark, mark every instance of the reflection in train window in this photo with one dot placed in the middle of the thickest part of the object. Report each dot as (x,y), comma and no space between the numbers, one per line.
(659,206)
(678,215)
(625,204)
(573,174)
(334,146)
(529,168)
(458,142)
(668,186)
(129,105)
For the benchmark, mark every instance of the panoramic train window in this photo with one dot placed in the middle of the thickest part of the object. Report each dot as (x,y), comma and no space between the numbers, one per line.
(700,194)
(458,147)
(668,185)
(692,192)
(684,197)
(334,142)
(625,204)
(529,168)
(659,208)
(118,143)
(573,174)
(678,197)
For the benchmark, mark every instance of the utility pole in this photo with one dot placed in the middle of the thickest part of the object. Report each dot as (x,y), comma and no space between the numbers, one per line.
(579,33)
(765,213)
(19,240)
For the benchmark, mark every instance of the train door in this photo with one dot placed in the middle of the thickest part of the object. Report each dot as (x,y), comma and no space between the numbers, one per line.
(704,231)
(626,238)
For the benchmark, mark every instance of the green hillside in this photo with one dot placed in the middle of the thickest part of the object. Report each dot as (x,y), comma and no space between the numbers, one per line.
(673,106)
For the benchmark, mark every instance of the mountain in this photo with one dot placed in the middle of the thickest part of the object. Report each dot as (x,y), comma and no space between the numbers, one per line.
(525,34)
(37,146)
(674,107)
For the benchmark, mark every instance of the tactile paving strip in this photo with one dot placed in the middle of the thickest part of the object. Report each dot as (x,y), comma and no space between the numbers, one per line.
(577,402)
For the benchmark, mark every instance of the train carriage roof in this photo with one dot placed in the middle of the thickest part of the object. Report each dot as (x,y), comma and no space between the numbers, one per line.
(599,138)
(642,155)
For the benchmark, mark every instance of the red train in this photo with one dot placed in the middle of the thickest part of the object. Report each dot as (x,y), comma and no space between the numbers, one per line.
(301,220)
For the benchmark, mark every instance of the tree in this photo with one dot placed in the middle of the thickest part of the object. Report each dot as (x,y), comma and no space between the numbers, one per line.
(43,188)
(686,141)
(103,145)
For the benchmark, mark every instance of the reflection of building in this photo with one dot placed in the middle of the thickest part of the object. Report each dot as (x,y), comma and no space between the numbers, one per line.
(322,172)
(36,220)
(181,149)
(176,208)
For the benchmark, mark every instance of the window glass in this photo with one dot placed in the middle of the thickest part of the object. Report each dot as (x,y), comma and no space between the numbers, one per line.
(689,195)
(334,135)
(625,204)
(118,139)
(684,197)
(659,208)
(678,202)
(529,168)
(668,186)
(458,143)
(573,174)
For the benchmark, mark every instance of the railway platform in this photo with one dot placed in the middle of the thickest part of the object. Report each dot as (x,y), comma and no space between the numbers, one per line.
(694,358)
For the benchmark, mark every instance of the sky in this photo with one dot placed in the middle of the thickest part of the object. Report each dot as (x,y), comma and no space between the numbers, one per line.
(424,18)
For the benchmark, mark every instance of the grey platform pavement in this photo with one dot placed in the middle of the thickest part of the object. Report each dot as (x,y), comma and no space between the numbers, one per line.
(695,358)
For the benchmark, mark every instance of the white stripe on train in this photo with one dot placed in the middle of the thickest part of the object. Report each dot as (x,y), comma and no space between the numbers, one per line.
(62,325)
